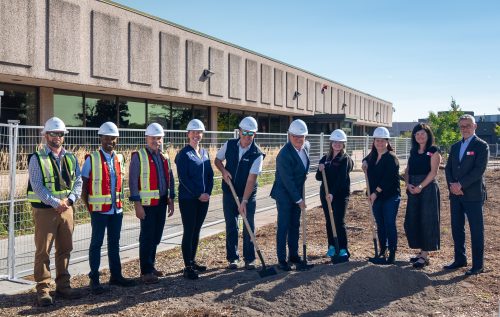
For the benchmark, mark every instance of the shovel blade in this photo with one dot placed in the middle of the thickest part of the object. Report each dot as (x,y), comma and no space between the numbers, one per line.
(267,271)
(339,259)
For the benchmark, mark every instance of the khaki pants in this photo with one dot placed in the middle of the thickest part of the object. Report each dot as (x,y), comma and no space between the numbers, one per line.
(51,226)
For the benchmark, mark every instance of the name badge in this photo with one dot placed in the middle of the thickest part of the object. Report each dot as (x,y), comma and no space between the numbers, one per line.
(429,153)
(470,153)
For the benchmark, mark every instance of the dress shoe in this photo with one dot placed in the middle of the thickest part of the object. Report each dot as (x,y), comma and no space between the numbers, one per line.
(122,281)
(158,273)
(96,288)
(421,263)
(44,299)
(295,259)
(68,293)
(199,268)
(149,278)
(454,266)
(190,273)
(392,257)
(283,265)
(474,271)
(250,265)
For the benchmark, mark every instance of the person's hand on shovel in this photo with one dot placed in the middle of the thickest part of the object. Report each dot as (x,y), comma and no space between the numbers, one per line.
(243,208)
(227,176)
(302,205)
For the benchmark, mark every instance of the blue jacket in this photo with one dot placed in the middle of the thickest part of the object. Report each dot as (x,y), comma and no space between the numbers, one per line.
(290,174)
(195,174)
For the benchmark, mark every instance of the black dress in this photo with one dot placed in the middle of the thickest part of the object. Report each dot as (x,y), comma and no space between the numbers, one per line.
(423,209)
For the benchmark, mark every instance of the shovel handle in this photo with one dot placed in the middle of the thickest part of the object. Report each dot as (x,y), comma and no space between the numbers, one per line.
(329,203)
(304,224)
(372,221)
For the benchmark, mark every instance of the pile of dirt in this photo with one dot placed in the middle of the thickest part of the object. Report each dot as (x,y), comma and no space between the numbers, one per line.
(354,288)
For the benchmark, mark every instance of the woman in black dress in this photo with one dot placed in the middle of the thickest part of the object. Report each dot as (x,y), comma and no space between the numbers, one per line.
(423,207)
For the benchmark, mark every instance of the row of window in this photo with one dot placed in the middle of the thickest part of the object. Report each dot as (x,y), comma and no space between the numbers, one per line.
(78,109)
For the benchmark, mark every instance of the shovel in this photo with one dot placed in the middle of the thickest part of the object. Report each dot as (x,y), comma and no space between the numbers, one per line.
(303,266)
(265,271)
(372,222)
(336,258)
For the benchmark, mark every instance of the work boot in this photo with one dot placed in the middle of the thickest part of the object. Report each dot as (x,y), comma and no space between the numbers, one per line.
(44,299)
(122,281)
(250,265)
(149,278)
(189,273)
(158,273)
(68,293)
(295,259)
(199,268)
(95,287)
(392,256)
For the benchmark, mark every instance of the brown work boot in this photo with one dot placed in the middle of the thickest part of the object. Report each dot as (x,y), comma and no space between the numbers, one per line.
(158,273)
(69,293)
(44,299)
(149,278)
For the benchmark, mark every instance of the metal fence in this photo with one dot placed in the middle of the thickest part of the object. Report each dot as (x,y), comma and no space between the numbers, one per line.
(17,142)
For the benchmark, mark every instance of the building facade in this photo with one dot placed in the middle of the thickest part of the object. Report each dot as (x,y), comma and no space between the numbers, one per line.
(90,61)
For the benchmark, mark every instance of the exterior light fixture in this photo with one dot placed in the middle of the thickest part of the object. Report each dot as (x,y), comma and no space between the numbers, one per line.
(207,73)
(324,88)
(344,105)
(296,94)
(377,114)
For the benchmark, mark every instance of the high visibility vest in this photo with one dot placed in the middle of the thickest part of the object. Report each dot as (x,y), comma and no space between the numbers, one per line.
(149,185)
(50,177)
(99,185)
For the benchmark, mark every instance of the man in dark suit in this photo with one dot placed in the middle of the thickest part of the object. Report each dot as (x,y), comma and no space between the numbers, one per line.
(465,177)
(292,165)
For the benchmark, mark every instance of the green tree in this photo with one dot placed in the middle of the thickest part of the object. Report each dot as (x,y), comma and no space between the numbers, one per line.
(497,130)
(445,125)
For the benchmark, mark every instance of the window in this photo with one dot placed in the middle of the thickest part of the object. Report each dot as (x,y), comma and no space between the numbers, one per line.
(181,115)
(19,103)
(68,106)
(160,113)
(201,113)
(132,113)
(100,109)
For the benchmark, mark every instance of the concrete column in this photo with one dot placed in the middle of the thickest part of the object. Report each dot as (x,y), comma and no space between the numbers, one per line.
(46,103)
(212,125)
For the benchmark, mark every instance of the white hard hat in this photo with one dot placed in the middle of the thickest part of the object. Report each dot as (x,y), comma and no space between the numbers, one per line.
(338,135)
(298,127)
(249,124)
(54,124)
(381,133)
(195,125)
(155,129)
(108,128)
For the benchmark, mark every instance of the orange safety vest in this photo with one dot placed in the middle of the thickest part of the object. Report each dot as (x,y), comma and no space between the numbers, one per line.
(149,185)
(99,185)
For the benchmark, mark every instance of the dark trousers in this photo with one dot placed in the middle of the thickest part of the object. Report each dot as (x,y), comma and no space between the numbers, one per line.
(193,213)
(385,212)
(422,217)
(474,211)
(150,236)
(231,216)
(288,229)
(113,225)
(339,206)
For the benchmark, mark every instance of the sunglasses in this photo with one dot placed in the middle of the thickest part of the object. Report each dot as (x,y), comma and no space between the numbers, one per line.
(247,133)
(55,134)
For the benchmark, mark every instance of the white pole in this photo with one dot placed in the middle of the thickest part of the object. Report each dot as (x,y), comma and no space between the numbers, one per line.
(13,134)
(321,144)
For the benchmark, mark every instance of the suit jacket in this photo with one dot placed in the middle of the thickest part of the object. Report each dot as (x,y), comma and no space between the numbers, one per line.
(290,174)
(469,171)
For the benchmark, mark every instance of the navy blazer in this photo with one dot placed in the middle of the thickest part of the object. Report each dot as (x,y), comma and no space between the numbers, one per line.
(469,171)
(290,174)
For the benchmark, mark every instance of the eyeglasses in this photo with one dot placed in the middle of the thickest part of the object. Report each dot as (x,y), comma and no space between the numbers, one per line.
(247,133)
(55,134)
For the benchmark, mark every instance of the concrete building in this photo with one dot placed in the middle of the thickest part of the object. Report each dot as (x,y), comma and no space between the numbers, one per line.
(90,61)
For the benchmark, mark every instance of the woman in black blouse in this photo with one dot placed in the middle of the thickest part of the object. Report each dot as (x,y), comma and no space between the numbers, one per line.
(422,210)
(382,167)
(337,165)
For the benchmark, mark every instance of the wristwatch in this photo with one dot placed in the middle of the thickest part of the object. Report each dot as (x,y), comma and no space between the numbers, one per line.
(70,201)
(420,186)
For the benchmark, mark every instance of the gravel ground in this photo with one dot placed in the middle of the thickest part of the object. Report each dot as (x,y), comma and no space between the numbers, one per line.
(347,289)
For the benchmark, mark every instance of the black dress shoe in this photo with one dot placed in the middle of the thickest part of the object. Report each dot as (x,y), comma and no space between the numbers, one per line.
(283,265)
(190,273)
(199,268)
(122,281)
(295,259)
(454,266)
(421,263)
(475,271)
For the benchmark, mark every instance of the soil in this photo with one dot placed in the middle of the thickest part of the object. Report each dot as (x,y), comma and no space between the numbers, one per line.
(354,288)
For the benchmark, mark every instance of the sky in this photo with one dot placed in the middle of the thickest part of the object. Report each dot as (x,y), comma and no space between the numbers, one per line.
(415,54)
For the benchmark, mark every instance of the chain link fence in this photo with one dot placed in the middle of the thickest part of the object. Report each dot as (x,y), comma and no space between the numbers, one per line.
(18,142)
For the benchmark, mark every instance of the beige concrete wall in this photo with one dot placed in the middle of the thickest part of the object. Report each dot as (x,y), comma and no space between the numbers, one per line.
(96,46)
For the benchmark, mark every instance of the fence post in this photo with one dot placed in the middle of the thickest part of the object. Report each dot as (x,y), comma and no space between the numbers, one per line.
(11,255)
(321,144)
(236,132)
(367,138)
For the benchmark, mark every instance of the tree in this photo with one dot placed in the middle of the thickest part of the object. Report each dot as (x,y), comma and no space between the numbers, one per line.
(445,125)
(497,130)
